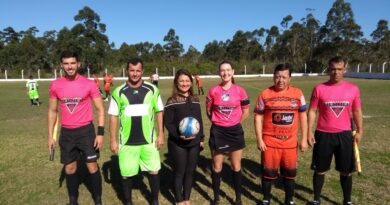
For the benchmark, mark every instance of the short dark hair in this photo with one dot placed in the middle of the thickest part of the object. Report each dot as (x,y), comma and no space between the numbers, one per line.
(69,54)
(283,67)
(135,61)
(337,59)
(31,77)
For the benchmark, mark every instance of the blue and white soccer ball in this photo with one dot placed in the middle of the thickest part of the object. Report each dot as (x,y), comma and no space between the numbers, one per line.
(189,126)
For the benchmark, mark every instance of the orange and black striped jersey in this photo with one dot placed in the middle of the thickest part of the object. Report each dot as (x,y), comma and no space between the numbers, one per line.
(281,115)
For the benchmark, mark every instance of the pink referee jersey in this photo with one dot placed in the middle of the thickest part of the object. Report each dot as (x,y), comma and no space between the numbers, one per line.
(335,103)
(75,98)
(226,105)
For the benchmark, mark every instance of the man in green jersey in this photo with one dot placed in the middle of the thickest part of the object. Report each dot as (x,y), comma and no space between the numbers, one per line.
(133,107)
(32,91)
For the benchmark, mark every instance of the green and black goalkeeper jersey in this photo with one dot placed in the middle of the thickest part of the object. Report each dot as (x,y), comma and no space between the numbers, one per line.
(136,108)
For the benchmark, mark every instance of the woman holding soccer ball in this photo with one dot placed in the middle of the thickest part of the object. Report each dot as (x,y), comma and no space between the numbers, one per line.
(227,107)
(182,110)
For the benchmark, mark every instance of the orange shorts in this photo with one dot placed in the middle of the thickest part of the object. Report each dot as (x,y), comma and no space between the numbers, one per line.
(274,158)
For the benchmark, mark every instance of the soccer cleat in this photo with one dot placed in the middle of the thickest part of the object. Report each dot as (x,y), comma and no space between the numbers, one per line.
(154,203)
(315,202)
(265,202)
(289,203)
(348,203)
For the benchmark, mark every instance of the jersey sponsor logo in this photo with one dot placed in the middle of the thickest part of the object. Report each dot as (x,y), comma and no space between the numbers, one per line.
(294,103)
(337,107)
(226,111)
(225,97)
(71,103)
(280,118)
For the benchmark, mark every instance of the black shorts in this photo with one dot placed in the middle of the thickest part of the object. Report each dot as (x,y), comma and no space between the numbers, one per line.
(226,139)
(78,143)
(338,144)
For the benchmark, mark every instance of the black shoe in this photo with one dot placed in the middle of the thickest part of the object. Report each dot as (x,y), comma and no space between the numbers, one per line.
(315,202)
(128,203)
(154,203)
(264,202)
(98,200)
(289,203)
(348,203)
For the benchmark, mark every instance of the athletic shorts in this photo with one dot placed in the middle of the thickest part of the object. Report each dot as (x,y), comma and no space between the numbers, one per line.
(226,139)
(78,143)
(274,158)
(132,158)
(33,94)
(338,144)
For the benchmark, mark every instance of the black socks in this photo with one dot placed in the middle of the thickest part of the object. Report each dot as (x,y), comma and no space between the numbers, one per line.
(216,181)
(346,185)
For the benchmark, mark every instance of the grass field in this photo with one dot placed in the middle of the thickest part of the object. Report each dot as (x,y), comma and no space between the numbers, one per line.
(28,177)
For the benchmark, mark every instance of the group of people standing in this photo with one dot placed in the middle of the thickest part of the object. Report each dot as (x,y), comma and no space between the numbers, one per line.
(136,105)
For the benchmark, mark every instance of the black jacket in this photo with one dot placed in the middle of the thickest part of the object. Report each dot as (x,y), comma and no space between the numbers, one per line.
(175,110)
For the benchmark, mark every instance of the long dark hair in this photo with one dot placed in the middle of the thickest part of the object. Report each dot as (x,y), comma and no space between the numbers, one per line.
(175,90)
(226,62)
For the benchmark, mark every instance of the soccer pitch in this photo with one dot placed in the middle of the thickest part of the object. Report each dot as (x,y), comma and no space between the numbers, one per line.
(28,177)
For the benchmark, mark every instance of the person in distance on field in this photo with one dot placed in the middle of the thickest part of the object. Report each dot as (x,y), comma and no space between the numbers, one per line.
(32,91)
(278,110)
(334,101)
(183,150)
(75,95)
(133,107)
(227,107)
(199,84)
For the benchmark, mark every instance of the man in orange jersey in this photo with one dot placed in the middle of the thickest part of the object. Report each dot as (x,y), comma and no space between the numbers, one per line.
(199,84)
(107,85)
(278,110)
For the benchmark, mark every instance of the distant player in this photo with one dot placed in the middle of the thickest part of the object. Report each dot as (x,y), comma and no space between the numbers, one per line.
(97,82)
(32,91)
(279,110)
(107,85)
(334,101)
(199,84)
(154,79)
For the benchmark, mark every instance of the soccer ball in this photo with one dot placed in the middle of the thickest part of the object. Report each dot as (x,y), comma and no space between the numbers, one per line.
(189,126)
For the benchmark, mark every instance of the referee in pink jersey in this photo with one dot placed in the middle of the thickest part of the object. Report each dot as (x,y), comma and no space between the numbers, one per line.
(75,94)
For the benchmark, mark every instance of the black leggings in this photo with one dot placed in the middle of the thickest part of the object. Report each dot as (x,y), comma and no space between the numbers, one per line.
(184,164)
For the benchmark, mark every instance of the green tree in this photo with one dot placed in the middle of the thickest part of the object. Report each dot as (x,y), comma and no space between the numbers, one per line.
(91,38)
(340,23)
(173,48)
(214,51)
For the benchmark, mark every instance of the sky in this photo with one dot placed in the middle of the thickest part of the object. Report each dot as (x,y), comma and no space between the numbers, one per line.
(196,22)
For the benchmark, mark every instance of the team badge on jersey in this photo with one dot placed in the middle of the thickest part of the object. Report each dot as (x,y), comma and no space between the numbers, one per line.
(226,111)
(337,107)
(71,103)
(225,97)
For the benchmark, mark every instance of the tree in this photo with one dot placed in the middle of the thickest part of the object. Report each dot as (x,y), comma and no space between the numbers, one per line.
(214,51)
(192,55)
(173,48)
(285,21)
(340,23)
(91,38)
